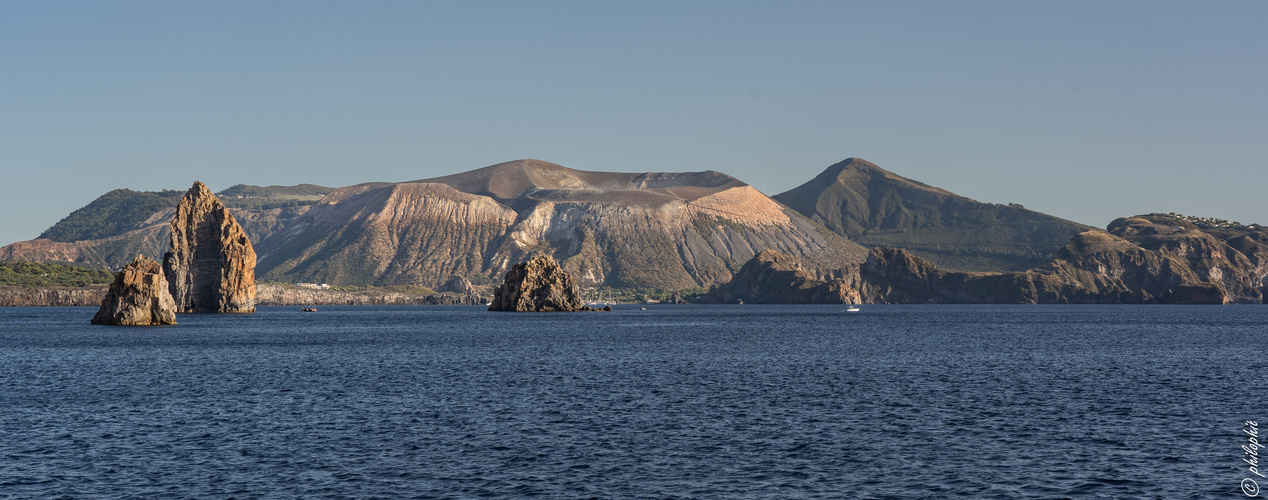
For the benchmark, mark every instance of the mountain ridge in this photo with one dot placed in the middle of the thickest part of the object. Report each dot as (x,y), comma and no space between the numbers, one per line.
(637,230)
(649,230)
(112,229)
(878,208)
(1143,259)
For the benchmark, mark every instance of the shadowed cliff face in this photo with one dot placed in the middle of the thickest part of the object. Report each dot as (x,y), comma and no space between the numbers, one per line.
(773,277)
(1234,260)
(1142,259)
(210,264)
(877,208)
(650,230)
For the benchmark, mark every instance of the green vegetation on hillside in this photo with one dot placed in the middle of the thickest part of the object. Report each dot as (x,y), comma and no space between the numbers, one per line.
(248,191)
(266,203)
(29,275)
(121,210)
(111,214)
(267,198)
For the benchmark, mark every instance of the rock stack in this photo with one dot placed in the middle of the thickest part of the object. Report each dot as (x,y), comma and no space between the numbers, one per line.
(535,286)
(210,265)
(138,296)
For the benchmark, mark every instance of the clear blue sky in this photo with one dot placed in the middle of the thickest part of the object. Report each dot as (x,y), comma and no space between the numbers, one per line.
(1085,110)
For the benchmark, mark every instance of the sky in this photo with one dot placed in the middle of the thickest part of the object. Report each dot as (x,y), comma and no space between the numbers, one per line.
(1084,110)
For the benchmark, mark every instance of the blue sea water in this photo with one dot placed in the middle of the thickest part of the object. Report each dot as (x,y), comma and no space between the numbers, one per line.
(668,402)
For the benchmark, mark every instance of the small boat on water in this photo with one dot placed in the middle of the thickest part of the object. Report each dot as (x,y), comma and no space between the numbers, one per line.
(310,309)
(852,309)
(599,300)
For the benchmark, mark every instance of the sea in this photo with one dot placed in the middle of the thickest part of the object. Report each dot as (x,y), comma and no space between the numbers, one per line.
(655,401)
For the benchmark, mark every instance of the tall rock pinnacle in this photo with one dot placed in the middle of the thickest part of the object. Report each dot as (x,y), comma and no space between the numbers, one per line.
(210,265)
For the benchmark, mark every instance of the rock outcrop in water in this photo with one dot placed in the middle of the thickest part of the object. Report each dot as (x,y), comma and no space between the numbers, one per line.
(210,265)
(538,285)
(139,296)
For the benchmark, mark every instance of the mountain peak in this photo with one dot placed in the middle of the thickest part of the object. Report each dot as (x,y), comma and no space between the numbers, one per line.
(857,169)
(525,167)
(875,207)
(854,164)
(649,229)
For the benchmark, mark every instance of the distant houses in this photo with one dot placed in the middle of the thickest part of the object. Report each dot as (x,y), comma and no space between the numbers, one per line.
(1210,222)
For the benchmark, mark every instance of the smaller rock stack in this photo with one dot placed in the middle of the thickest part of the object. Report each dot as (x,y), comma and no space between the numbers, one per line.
(538,285)
(138,296)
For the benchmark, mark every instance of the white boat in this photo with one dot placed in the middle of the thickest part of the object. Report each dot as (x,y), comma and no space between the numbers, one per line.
(599,301)
(852,309)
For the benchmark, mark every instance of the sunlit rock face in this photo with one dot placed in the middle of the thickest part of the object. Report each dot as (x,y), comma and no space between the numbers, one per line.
(669,231)
(139,296)
(210,264)
(538,285)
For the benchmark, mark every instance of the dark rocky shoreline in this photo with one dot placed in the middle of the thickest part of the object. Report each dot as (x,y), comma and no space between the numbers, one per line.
(276,295)
(53,296)
(266,295)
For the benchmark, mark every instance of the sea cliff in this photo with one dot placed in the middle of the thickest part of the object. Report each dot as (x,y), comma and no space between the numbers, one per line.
(13,296)
(1145,259)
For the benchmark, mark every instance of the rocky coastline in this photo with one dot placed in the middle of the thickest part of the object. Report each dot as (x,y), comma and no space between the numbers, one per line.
(1146,259)
(280,295)
(266,295)
(52,296)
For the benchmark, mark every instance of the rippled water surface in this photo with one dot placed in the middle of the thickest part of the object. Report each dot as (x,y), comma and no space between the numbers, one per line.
(671,402)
